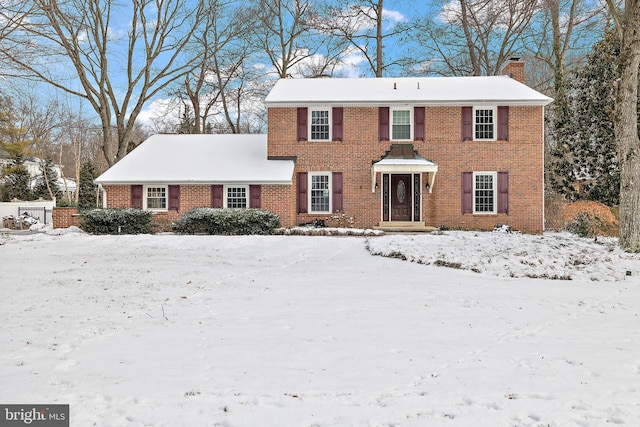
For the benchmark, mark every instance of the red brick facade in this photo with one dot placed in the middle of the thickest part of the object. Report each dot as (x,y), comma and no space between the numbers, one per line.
(521,156)
(274,198)
(502,173)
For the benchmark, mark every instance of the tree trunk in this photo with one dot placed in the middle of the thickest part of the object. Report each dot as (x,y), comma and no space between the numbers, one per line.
(379,38)
(626,129)
(470,43)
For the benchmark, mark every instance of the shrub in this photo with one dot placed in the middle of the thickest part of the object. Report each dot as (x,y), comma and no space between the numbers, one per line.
(65,203)
(590,219)
(117,221)
(226,221)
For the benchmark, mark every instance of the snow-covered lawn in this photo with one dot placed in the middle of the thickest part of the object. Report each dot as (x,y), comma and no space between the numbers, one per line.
(172,330)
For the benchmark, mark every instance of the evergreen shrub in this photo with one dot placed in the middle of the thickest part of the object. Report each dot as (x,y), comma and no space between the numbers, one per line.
(117,221)
(227,222)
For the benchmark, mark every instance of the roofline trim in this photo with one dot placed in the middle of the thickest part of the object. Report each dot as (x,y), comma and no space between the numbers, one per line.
(216,182)
(415,103)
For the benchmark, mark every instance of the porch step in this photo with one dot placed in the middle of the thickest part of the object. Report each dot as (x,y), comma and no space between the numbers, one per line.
(404,226)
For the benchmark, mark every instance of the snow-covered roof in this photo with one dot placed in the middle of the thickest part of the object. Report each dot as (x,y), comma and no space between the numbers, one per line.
(200,159)
(424,91)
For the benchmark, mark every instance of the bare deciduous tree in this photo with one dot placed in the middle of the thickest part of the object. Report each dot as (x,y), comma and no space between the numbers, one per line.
(362,26)
(224,47)
(560,35)
(117,66)
(475,37)
(291,34)
(282,27)
(12,15)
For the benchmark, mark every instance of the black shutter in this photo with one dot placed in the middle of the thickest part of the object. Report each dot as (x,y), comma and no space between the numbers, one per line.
(336,190)
(255,196)
(467,192)
(418,123)
(467,123)
(383,123)
(302,192)
(336,121)
(216,196)
(136,196)
(302,123)
(174,197)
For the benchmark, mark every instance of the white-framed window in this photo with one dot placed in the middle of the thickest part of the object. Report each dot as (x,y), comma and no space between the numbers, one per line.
(236,196)
(156,197)
(401,124)
(485,121)
(485,193)
(320,124)
(319,192)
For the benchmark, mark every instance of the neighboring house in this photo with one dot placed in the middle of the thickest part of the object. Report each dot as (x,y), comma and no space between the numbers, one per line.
(460,152)
(34,167)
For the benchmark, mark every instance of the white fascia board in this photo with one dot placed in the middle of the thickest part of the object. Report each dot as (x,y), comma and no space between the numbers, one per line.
(416,103)
(175,182)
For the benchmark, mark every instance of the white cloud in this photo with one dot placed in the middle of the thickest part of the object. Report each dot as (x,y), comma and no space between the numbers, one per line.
(158,110)
(393,15)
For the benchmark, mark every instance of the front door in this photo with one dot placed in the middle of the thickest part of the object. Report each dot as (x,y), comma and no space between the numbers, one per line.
(401,197)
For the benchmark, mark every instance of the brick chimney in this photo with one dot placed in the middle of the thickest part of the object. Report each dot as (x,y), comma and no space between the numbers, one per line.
(514,69)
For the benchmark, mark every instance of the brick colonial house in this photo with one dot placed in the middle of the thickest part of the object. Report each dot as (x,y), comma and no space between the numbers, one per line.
(395,153)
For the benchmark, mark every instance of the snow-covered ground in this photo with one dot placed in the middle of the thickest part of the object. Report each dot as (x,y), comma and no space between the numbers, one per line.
(173,330)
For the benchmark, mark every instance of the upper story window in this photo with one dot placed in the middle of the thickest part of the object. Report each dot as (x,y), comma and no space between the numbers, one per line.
(401,124)
(484,123)
(320,124)
(155,197)
(236,196)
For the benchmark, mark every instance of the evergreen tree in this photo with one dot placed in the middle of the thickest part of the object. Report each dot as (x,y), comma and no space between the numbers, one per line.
(585,146)
(14,178)
(47,183)
(86,188)
(15,183)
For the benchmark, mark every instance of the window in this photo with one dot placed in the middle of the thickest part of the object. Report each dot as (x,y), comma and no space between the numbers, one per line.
(236,196)
(484,123)
(401,124)
(484,192)
(320,125)
(156,197)
(320,193)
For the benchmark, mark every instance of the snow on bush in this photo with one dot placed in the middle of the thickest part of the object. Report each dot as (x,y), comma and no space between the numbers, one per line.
(327,231)
(117,221)
(560,256)
(227,222)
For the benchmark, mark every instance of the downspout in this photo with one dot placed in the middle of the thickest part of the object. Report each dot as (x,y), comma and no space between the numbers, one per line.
(104,196)
(543,171)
